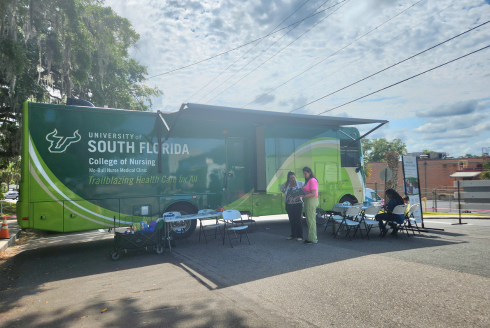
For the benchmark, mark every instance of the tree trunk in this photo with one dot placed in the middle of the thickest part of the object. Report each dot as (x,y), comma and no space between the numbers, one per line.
(391,158)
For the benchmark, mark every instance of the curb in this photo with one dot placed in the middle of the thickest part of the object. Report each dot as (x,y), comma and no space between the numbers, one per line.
(455,217)
(6,243)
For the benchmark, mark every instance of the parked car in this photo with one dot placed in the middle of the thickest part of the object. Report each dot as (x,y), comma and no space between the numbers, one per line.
(373,198)
(11,195)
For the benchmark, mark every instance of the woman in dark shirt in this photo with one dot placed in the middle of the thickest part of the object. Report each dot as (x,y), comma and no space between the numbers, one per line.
(394,200)
(294,206)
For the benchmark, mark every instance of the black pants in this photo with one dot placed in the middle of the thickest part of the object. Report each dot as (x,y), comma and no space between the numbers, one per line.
(295,212)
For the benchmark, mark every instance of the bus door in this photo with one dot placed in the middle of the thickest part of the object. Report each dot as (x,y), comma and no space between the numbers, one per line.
(327,174)
(238,180)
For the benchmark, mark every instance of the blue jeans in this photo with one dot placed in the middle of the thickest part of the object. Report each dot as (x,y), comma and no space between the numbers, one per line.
(388,217)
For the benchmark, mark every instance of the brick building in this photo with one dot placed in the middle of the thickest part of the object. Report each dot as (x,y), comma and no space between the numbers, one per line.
(433,173)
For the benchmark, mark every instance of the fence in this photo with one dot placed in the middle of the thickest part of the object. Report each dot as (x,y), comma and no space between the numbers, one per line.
(441,200)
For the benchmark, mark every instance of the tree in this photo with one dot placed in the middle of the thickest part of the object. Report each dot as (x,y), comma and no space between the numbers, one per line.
(425,151)
(374,150)
(53,49)
(485,175)
(469,156)
(391,158)
(11,174)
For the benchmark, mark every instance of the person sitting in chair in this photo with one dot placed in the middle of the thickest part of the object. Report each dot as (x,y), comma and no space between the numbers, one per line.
(406,200)
(394,200)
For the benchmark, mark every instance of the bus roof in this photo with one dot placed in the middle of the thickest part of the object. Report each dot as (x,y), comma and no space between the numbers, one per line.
(259,116)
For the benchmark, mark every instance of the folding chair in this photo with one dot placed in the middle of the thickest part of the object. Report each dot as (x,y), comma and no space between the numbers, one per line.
(231,217)
(368,220)
(352,212)
(177,226)
(335,215)
(399,210)
(203,227)
(249,217)
(410,220)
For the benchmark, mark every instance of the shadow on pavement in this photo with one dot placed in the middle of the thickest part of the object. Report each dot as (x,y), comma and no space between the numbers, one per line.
(53,261)
(130,313)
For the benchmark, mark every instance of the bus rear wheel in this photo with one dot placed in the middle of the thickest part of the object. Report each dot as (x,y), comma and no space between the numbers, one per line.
(348,198)
(187,227)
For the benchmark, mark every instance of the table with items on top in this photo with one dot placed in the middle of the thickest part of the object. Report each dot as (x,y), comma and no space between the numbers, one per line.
(168,220)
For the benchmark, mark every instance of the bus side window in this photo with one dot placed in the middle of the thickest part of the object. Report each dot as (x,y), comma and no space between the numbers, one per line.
(349,153)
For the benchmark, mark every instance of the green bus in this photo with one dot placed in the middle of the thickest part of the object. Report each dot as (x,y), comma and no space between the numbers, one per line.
(83,166)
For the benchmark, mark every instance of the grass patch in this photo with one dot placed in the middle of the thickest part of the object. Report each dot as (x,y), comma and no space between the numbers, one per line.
(9,209)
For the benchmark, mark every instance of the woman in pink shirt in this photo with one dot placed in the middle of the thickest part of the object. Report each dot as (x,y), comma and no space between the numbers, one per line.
(311,203)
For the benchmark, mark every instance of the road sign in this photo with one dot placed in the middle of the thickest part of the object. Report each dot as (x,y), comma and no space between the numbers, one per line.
(386,174)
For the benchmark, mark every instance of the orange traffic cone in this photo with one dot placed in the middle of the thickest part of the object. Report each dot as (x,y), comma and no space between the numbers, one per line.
(4,232)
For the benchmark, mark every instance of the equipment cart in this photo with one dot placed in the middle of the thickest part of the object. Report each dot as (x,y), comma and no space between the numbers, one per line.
(137,240)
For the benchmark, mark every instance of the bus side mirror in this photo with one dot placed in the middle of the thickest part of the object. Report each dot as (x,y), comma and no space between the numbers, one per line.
(358,168)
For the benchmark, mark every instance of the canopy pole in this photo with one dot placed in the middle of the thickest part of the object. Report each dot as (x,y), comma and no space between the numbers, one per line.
(365,134)
(160,143)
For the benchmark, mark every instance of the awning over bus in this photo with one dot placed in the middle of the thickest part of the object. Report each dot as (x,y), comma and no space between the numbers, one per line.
(198,111)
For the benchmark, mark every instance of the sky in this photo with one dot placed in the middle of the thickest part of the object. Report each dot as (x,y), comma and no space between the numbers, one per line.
(445,110)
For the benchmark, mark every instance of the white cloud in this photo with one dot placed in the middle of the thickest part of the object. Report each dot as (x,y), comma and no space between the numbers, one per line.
(179,32)
(458,108)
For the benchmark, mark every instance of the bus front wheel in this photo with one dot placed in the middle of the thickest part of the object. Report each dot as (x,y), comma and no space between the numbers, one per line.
(348,198)
(188,226)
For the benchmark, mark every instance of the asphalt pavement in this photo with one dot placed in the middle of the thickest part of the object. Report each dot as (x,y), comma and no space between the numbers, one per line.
(435,279)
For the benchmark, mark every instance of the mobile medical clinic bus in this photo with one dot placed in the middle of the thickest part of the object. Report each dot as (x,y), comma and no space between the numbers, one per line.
(83,166)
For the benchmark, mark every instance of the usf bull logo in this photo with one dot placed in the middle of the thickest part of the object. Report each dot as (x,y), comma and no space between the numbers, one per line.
(59,144)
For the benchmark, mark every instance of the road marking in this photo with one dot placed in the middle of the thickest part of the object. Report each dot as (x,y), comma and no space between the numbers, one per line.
(425,221)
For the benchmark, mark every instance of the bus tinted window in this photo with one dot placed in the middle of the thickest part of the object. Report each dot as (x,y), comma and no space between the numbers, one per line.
(349,153)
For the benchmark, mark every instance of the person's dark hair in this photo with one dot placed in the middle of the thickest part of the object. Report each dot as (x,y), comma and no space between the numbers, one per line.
(290,173)
(393,194)
(308,170)
(406,198)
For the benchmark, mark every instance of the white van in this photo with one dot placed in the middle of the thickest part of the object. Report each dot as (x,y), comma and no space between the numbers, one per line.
(373,198)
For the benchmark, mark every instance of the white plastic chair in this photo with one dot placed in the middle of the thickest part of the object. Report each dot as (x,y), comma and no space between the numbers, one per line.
(352,213)
(229,217)
(204,227)
(335,215)
(399,210)
(410,219)
(368,218)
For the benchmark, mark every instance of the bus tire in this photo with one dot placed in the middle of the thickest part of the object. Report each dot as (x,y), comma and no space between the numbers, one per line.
(320,217)
(348,198)
(190,225)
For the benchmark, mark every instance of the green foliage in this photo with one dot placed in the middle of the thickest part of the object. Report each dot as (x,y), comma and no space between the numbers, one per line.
(53,49)
(485,175)
(374,149)
(11,173)
(469,156)
(425,151)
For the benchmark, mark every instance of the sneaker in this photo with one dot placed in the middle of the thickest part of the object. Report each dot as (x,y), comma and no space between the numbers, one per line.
(311,242)
(299,239)
(289,238)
